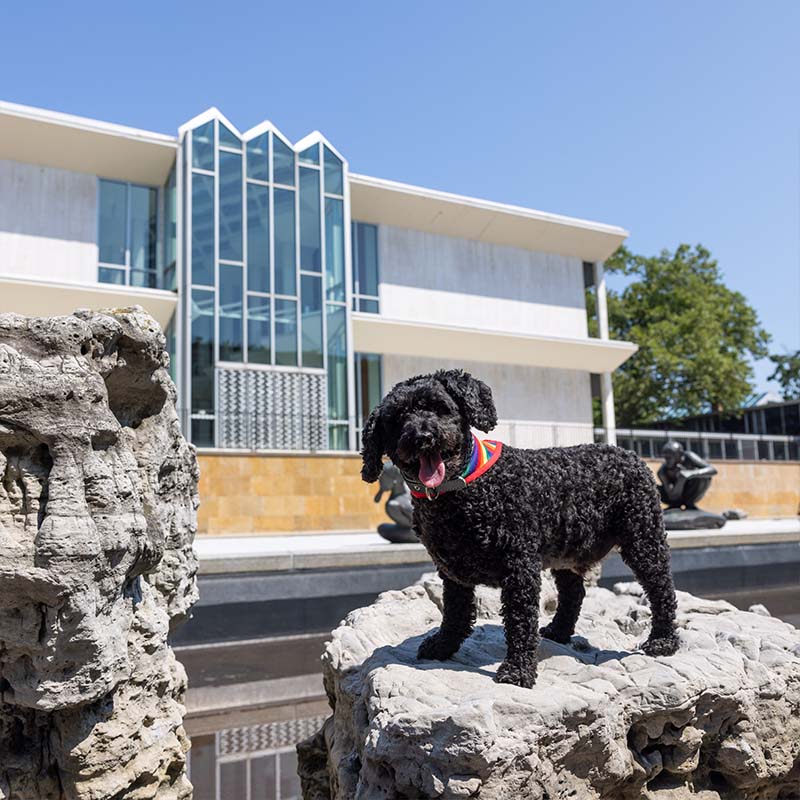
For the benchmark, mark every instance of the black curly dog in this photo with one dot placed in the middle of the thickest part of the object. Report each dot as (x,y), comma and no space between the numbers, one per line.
(557,508)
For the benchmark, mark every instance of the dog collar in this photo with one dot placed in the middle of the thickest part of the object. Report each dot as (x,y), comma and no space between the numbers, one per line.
(484,455)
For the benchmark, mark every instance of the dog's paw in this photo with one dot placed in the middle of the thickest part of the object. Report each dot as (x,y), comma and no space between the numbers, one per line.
(516,674)
(661,645)
(436,648)
(555,634)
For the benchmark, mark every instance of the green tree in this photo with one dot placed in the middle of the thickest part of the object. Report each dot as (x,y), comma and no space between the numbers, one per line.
(696,336)
(787,374)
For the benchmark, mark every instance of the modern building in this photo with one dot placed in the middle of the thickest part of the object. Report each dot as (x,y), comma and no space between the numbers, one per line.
(293,291)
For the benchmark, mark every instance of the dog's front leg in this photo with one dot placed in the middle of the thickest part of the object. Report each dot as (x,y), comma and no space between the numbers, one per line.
(519,594)
(458,618)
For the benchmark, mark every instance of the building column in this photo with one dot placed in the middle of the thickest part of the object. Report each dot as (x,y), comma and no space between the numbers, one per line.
(606,385)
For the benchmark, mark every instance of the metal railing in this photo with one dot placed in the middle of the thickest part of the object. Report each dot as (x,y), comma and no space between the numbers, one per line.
(535,435)
(712,446)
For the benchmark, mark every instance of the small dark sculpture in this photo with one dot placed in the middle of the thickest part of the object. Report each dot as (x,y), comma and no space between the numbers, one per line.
(398,507)
(685,478)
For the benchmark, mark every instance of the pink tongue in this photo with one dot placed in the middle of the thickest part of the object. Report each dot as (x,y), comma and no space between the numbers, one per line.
(431,470)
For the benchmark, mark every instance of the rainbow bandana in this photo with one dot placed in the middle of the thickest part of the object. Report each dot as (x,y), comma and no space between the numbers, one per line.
(484,455)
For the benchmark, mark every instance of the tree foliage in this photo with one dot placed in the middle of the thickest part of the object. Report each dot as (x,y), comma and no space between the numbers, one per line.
(787,374)
(696,336)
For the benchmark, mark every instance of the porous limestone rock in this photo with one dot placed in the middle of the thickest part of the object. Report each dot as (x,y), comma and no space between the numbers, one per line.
(720,720)
(98,500)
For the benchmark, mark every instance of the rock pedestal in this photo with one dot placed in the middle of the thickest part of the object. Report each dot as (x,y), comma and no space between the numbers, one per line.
(98,499)
(719,720)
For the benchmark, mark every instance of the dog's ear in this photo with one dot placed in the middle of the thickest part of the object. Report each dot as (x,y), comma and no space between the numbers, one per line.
(372,447)
(474,398)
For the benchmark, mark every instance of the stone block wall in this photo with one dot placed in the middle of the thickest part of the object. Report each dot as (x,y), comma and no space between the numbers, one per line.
(285,493)
(279,493)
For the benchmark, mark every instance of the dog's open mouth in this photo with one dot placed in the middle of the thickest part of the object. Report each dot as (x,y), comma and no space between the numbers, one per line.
(431,469)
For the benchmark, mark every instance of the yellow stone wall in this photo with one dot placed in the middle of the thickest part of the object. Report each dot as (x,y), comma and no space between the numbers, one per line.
(761,488)
(243,494)
(284,493)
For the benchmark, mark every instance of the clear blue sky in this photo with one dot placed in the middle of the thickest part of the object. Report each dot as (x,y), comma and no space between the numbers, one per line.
(677,121)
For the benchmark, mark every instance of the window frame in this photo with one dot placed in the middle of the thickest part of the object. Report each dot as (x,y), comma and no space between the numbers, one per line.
(126,268)
(361,298)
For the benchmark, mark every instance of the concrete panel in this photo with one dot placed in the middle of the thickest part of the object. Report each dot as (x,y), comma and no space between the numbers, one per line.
(716,570)
(303,584)
(48,222)
(376,333)
(520,393)
(451,281)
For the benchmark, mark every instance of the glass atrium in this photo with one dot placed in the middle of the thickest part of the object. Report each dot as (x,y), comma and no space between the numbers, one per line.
(254,234)
(267,233)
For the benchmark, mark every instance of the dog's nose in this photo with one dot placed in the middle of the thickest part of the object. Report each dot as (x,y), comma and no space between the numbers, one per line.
(425,439)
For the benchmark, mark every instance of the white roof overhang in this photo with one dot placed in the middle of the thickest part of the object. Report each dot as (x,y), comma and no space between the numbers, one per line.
(52,139)
(375,334)
(39,297)
(390,203)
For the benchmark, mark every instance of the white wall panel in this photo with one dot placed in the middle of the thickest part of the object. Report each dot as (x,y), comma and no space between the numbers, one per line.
(48,222)
(520,393)
(433,278)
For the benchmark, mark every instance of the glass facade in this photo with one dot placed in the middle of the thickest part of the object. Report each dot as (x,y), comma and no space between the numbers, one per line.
(283,160)
(113,229)
(231,335)
(286,332)
(266,269)
(203,192)
(203,146)
(369,388)
(311,306)
(334,173)
(337,375)
(230,207)
(202,351)
(258,258)
(365,267)
(258,330)
(310,234)
(285,251)
(171,233)
(334,249)
(127,234)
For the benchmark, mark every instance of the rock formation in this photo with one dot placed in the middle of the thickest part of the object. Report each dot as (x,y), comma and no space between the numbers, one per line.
(98,498)
(719,720)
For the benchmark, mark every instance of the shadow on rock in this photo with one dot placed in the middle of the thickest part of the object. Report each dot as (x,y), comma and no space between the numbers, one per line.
(486,647)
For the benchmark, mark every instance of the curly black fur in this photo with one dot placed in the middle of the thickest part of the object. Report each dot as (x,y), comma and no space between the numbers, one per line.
(557,508)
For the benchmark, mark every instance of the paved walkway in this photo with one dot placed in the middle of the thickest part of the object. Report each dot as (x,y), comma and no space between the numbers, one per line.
(365,548)
(740,531)
(302,551)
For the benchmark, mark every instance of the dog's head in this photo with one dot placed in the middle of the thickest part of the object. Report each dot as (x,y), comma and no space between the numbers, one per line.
(423,425)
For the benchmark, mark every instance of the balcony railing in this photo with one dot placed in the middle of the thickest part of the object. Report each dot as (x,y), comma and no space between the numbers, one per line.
(535,435)
(711,446)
